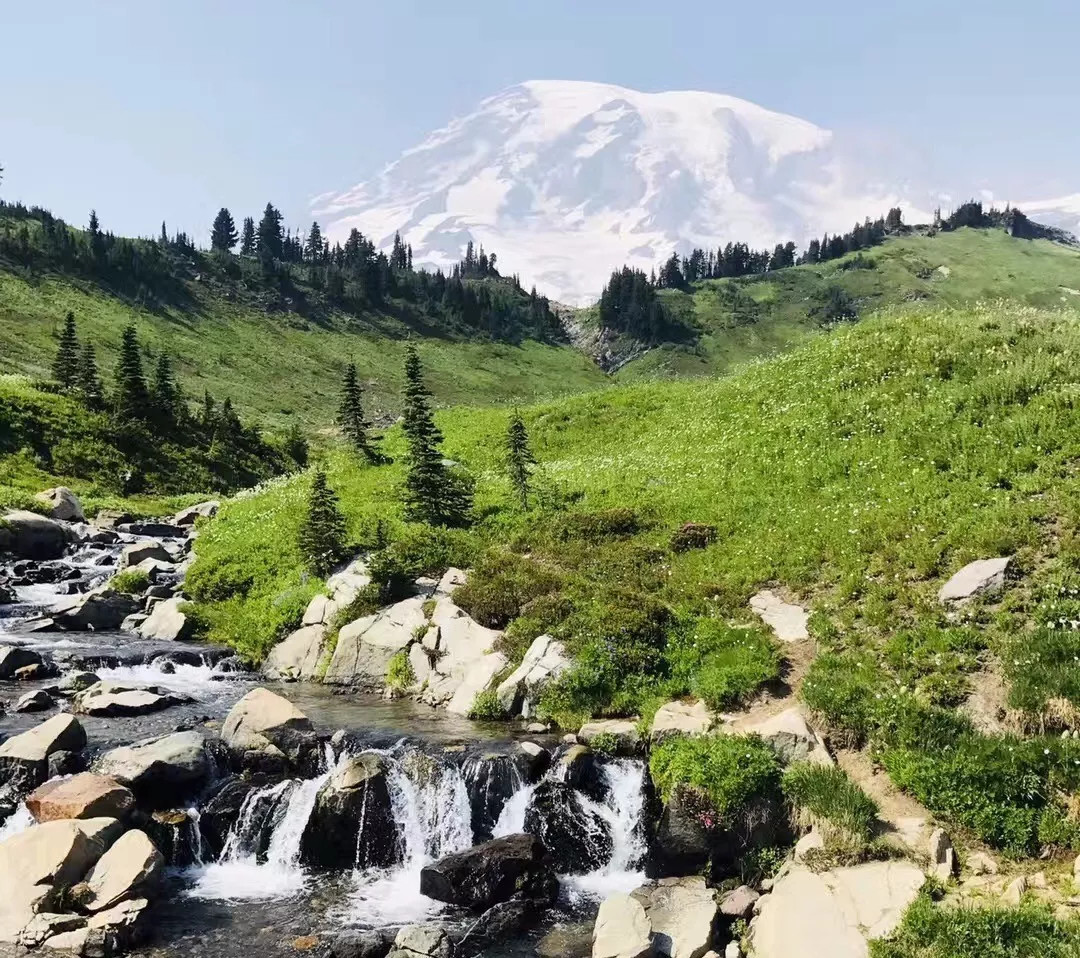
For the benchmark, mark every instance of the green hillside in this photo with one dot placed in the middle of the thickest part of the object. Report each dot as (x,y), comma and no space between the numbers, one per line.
(734,320)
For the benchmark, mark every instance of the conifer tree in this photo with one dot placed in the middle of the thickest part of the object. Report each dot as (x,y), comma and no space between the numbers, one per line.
(313,250)
(163,393)
(131,393)
(351,416)
(519,457)
(223,234)
(322,533)
(296,446)
(247,239)
(89,380)
(432,493)
(65,367)
(270,233)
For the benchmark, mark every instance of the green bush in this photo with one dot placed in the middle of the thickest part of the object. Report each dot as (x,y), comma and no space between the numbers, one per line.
(842,688)
(486,707)
(606,743)
(399,672)
(595,527)
(825,796)
(933,661)
(720,664)
(131,581)
(502,584)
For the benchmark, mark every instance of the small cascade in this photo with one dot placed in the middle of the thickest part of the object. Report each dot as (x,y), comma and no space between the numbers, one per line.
(18,821)
(199,681)
(512,818)
(492,780)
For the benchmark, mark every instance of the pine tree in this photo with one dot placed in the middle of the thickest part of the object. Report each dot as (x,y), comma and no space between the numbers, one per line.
(519,457)
(351,416)
(247,240)
(322,533)
(223,234)
(432,493)
(313,250)
(131,393)
(89,380)
(163,393)
(65,367)
(270,234)
(97,241)
(296,446)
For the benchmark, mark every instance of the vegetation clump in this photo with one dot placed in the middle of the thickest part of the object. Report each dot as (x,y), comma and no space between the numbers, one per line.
(824,797)
(322,535)
(130,581)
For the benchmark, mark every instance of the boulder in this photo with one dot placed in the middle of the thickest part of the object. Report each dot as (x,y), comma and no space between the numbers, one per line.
(344,586)
(186,518)
(739,902)
(833,913)
(63,504)
(160,769)
(421,941)
(942,855)
(448,584)
(980,578)
(980,863)
(167,623)
(82,796)
(111,518)
(30,536)
(622,929)
(788,621)
(76,682)
(578,839)
(682,912)
(315,613)
(580,768)
(684,844)
(624,731)
(101,610)
(131,867)
(352,823)
(545,661)
(13,658)
(24,758)
(366,646)
(139,551)
(491,872)
(221,811)
(791,736)
(477,678)
(461,665)
(155,569)
(297,656)
(263,725)
(1014,891)
(680,718)
(65,763)
(153,530)
(420,662)
(37,701)
(113,700)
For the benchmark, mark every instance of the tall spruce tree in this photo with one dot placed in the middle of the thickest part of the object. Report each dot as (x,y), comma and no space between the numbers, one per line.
(351,416)
(519,457)
(163,392)
(296,446)
(322,533)
(65,368)
(432,492)
(270,237)
(247,238)
(223,234)
(132,396)
(89,380)
(313,249)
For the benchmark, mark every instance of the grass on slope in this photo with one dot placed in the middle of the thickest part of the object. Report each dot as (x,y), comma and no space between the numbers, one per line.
(278,367)
(746,318)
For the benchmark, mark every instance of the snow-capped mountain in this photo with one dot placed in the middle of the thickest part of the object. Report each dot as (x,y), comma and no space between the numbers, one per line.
(566,181)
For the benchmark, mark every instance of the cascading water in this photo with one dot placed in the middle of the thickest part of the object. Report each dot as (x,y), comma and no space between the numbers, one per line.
(200,682)
(17,821)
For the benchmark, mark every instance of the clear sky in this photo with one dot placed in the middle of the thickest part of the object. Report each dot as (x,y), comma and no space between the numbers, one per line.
(149,110)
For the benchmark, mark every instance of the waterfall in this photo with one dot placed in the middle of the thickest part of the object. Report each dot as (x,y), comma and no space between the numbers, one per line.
(18,821)
(512,818)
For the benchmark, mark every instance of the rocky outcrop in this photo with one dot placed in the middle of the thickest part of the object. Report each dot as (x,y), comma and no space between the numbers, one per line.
(24,758)
(297,656)
(85,795)
(130,869)
(491,872)
(63,504)
(942,855)
(983,577)
(37,701)
(623,732)
(683,913)
(13,658)
(834,912)
(366,646)
(102,610)
(622,929)
(140,551)
(160,770)
(791,735)
(680,718)
(264,728)
(352,823)
(545,661)
(167,623)
(577,838)
(787,620)
(186,518)
(112,700)
(30,536)
(465,664)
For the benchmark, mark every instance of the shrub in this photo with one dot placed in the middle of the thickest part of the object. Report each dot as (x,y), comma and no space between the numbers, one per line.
(131,581)
(693,535)
(720,664)
(595,527)
(606,743)
(933,660)
(501,584)
(824,796)
(399,672)
(486,706)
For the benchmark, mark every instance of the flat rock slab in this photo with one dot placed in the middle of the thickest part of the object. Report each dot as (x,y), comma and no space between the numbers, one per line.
(982,577)
(85,795)
(787,620)
(833,913)
(680,718)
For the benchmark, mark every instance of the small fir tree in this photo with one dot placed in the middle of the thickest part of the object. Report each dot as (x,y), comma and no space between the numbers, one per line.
(296,446)
(247,238)
(322,533)
(432,493)
(132,396)
(351,416)
(89,380)
(163,395)
(223,234)
(519,458)
(65,367)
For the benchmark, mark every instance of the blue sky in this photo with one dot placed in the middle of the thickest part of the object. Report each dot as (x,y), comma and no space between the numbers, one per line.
(151,110)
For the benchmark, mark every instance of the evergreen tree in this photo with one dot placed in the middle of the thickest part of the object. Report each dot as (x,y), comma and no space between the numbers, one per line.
(322,533)
(163,394)
(351,416)
(313,250)
(519,457)
(89,380)
(270,235)
(65,367)
(97,241)
(131,397)
(296,446)
(223,234)
(247,239)
(432,493)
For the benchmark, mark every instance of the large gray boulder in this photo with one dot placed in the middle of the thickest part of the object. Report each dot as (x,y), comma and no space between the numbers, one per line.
(101,610)
(578,839)
(298,655)
(85,795)
(980,578)
(139,551)
(167,623)
(263,726)
(790,734)
(622,929)
(186,518)
(366,646)
(680,718)
(421,941)
(161,769)
(24,758)
(30,536)
(545,661)
(130,868)
(113,700)
(63,504)
(466,663)
(14,657)
(683,912)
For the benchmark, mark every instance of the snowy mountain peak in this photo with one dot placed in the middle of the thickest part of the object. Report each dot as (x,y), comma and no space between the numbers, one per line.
(567,180)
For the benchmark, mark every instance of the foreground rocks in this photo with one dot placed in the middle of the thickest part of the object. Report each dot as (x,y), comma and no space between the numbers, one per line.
(980,578)
(111,700)
(622,929)
(545,661)
(682,913)
(24,758)
(63,504)
(82,796)
(29,536)
(159,770)
(167,623)
(265,730)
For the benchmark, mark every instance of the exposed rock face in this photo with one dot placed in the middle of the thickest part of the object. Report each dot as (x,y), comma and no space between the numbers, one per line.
(102,610)
(942,855)
(739,902)
(63,503)
(682,912)
(624,731)
(160,769)
(578,840)
(82,796)
(298,655)
(492,872)
(139,551)
(545,661)
(979,578)
(787,621)
(679,718)
(622,929)
(835,912)
(13,658)
(221,811)
(353,821)
(30,536)
(24,758)
(167,623)
(465,665)
(264,726)
(186,518)
(130,868)
(791,736)
(366,646)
